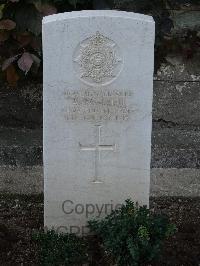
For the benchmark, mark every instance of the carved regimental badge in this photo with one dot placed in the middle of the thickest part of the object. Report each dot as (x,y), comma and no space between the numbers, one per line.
(97,60)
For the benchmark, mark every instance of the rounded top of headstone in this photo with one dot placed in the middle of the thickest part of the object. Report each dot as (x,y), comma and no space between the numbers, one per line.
(97,13)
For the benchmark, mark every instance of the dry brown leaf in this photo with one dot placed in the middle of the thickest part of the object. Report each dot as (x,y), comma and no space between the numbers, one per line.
(7,24)
(4,35)
(12,76)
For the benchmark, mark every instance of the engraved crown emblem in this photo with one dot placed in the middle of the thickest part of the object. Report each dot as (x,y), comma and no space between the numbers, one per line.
(98,39)
(98,59)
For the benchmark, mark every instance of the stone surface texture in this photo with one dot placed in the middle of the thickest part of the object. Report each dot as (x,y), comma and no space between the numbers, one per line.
(21,106)
(175,159)
(98,81)
(175,143)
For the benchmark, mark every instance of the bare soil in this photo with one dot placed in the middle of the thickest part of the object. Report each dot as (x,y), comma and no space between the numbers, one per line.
(21,216)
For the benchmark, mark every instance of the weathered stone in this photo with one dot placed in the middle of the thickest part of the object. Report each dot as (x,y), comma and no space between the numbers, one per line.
(23,156)
(20,147)
(22,106)
(176,68)
(177,102)
(176,138)
(174,158)
(98,80)
(175,148)
(183,4)
(21,180)
(162,6)
(171,147)
(186,20)
(175,182)
(167,182)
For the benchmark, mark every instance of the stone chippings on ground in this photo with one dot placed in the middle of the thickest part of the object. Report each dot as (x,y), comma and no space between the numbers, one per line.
(20,216)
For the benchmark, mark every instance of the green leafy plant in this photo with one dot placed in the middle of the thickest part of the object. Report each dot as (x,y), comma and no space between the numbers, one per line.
(61,249)
(132,235)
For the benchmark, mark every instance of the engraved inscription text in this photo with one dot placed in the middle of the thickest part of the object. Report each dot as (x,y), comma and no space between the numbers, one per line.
(97,105)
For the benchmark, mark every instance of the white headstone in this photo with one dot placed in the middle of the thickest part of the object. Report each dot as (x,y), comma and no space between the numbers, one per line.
(98,80)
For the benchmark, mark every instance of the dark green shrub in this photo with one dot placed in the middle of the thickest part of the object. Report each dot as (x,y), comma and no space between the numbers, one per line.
(60,249)
(132,235)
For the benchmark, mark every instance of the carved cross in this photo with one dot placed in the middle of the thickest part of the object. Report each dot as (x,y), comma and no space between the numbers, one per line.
(97,148)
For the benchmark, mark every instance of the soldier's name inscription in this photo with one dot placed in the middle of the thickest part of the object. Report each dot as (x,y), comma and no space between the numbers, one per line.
(97,104)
